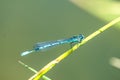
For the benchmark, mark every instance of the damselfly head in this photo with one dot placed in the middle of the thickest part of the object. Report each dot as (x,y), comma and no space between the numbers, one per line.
(80,37)
(77,38)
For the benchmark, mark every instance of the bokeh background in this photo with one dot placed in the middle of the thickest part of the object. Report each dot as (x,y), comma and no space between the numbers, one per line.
(25,22)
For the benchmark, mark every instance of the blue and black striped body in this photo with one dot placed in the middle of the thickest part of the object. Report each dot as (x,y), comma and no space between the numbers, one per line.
(45,45)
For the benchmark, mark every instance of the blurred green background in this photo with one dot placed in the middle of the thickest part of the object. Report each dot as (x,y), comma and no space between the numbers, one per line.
(25,22)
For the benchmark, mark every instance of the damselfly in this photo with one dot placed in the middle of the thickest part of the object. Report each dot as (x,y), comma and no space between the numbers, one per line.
(45,45)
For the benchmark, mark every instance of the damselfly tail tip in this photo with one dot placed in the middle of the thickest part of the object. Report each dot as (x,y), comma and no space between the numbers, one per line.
(26,52)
